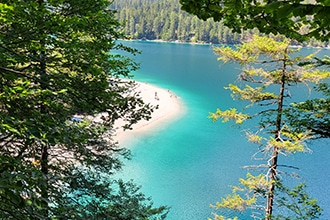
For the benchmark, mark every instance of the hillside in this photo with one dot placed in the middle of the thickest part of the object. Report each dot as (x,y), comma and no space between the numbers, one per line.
(163,20)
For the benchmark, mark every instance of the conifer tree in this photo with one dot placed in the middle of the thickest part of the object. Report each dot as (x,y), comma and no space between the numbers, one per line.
(314,114)
(271,65)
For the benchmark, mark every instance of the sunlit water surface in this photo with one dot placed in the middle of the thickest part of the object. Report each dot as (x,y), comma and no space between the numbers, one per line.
(192,162)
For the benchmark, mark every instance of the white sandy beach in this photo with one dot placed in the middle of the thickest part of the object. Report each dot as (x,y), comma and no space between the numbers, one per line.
(170,107)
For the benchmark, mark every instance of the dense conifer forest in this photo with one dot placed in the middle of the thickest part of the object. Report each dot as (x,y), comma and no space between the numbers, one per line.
(163,20)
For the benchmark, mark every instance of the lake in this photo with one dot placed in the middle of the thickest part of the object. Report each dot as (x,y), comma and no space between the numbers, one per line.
(191,163)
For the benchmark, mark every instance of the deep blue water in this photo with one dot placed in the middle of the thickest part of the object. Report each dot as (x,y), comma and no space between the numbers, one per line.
(191,163)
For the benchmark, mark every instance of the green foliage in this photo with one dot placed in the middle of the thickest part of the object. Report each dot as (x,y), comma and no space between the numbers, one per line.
(286,145)
(249,52)
(163,20)
(227,115)
(299,20)
(4,11)
(19,194)
(312,114)
(235,202)
(94,196)
(298,202)
(251,94)
(277,70)
(245,195)
(56,64)
(257,184)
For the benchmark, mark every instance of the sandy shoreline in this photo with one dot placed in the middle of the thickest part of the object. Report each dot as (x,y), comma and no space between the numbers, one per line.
(170,107)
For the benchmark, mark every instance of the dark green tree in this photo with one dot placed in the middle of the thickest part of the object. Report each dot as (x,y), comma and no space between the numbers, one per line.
(314,114)
(299,20)
(60,93)
(297,203)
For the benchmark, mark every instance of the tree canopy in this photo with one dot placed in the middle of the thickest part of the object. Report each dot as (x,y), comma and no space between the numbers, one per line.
(299,20)
(314,114)
(60,93)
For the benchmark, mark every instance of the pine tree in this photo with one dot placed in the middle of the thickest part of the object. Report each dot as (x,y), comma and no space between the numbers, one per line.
(267,63)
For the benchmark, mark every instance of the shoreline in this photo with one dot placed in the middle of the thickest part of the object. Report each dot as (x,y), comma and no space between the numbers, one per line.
(219,44)
(170,108)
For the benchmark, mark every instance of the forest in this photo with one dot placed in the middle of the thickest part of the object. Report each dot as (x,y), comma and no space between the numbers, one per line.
(163,20)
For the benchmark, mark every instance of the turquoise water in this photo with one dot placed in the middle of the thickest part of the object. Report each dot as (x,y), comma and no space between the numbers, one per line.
(190,163)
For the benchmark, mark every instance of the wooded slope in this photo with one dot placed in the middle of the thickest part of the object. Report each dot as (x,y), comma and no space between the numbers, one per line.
(163,20)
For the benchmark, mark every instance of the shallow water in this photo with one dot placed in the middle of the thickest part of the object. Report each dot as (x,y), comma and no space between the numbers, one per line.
(190,163)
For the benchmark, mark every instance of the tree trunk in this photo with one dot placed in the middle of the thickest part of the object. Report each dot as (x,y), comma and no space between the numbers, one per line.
(270,199)
(44,82)
(273,166)
(45,146)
